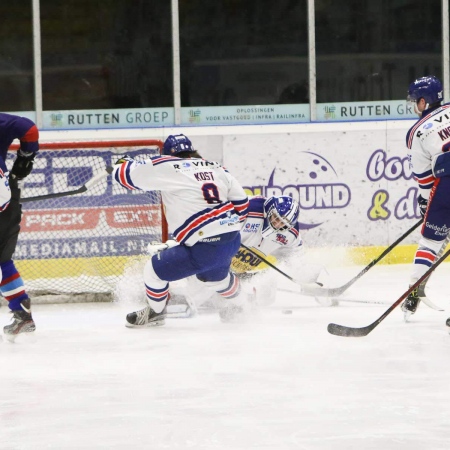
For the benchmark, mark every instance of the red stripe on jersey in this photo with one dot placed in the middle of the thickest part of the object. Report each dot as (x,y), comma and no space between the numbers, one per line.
(123,177)
(256,214)
(426,180)
(215,212)
(32,135)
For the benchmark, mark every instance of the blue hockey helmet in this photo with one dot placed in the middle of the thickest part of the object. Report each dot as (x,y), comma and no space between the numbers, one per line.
(281,214)
(428,88)
(178,143)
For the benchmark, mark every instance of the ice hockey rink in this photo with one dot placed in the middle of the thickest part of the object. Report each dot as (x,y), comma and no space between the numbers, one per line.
(277,381)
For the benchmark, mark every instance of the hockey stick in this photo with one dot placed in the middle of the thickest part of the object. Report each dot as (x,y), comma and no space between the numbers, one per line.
(264,260)
(338,300)
(92,182)
(335,292)
(341,330)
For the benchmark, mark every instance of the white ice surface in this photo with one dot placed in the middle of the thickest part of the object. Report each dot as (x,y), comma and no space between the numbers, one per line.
(279,381)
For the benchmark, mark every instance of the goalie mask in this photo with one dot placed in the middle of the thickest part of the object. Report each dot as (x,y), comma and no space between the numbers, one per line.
(178,143)
(280,214)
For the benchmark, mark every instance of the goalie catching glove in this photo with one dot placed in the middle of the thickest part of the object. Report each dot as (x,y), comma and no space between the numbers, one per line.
(23,165)
(155,247)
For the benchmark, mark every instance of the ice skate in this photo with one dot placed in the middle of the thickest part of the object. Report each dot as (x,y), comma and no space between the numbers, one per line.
(410,305)
(146,318)
(22,322)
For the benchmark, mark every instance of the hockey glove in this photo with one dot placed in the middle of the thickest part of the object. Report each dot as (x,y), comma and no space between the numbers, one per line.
(155,247)
(22,166)
(423,203)
(124,158)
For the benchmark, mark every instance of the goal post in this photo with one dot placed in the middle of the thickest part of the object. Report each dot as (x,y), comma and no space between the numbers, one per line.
(79,245)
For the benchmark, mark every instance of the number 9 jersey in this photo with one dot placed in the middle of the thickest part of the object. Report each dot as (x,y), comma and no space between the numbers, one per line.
(201,199)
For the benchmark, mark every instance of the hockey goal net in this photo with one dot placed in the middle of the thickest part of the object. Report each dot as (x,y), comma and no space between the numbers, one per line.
(78,246)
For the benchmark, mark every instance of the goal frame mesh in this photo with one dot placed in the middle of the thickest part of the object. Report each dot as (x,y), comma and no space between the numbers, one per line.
(102,210)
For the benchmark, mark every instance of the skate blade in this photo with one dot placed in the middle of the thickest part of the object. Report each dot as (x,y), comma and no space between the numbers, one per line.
(159,323)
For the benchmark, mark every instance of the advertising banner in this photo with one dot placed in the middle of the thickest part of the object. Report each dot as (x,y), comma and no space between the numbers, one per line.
(354,188)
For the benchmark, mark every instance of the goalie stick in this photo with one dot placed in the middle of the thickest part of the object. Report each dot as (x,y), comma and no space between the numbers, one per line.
(342,330)
(264,260)
(337,291)
(92,182)
(338,300)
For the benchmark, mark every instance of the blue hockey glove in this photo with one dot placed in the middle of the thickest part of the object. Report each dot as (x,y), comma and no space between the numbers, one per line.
(423,203)
(124,158)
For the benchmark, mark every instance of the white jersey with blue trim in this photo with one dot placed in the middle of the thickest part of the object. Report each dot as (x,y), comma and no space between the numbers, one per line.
(201,199)
(251,234)
(428,137)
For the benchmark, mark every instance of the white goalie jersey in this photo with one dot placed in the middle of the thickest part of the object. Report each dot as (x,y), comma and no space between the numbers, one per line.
(428,138)
(201,199)
(251,236)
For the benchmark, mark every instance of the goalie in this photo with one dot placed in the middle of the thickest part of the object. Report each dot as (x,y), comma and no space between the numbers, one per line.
(271,228)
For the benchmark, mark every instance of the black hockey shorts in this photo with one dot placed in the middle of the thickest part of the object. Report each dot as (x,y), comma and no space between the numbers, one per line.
(10,224)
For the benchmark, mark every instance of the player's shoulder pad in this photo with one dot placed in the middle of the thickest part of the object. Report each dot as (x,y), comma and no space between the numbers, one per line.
(256,204)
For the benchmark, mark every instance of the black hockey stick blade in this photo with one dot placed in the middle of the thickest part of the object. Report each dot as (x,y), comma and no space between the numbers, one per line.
(93,181)
(337,291)
(342,330)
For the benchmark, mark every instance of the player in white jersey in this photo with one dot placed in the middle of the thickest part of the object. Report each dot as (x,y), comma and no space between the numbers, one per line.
(428,142)
(271,225)
(271,229)
(205,208)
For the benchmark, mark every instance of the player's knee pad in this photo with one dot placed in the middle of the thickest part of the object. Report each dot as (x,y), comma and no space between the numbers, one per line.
(150,276)
(429,244)
(229,287)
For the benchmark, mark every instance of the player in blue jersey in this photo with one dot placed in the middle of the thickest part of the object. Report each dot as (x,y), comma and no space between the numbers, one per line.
(428,142)
(205,208)
(11,284)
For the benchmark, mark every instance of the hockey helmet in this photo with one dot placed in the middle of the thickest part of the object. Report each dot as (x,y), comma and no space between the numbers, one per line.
(428,88)
(177,143)
(280,214)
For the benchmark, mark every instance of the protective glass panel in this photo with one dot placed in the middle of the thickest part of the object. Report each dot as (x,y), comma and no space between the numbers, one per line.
(241,52)
(371,50)
(16,57)
(106,54)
